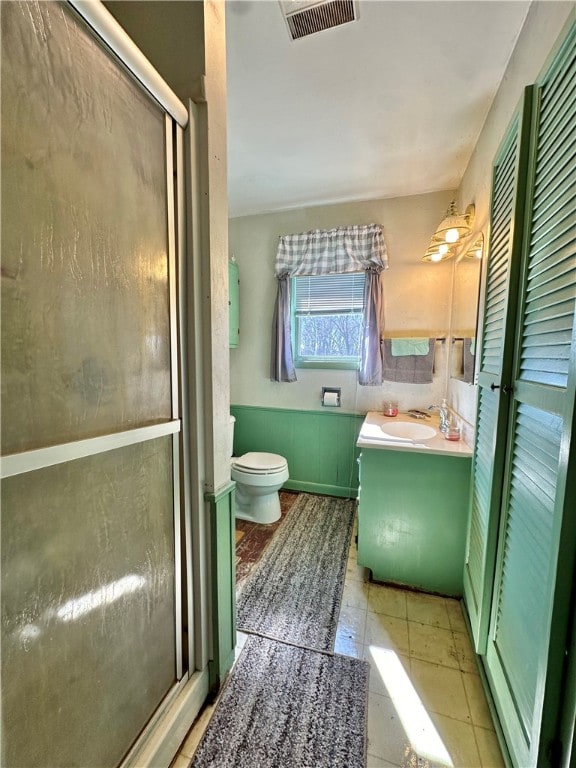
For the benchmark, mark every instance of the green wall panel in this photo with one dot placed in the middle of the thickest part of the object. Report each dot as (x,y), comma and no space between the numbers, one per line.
(223,546)
(320,446)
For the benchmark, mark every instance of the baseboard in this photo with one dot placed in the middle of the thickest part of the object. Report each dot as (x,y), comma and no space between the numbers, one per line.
(326,490)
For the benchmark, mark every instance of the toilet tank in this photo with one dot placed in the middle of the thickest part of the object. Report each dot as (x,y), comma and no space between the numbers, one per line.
(231,436)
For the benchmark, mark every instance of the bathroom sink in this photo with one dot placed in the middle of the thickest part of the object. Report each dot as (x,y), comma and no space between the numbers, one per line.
(406,430)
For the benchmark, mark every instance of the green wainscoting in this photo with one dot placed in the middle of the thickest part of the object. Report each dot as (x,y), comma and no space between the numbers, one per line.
(320,446)
(413,517)
(223,576)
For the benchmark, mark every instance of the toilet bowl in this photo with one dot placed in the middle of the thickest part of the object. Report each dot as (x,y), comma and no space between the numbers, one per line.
(258,477)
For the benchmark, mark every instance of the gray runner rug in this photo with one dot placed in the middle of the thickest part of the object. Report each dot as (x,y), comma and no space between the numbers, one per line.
(293,593)
(287,707)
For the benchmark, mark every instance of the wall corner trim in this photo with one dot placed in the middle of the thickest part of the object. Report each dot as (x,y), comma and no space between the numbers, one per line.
(216,496)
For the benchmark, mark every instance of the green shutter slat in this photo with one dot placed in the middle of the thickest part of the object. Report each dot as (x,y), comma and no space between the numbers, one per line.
(504,194)
(498,289)
(557,292)
(534,478)
(557,142)
(560,324)
(504,178)
(551,258)
(499,246)
(550,274)
(497,284)
(497,305)
(541,308)
(555,111)
(555,222)
(557,85)
(553,175)
(549,354)
(482,469)
(563,247)
(522,600)
(505,198)
(497,281)
(554,362)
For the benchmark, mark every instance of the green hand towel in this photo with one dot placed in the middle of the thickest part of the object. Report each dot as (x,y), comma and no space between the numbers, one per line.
(404,347)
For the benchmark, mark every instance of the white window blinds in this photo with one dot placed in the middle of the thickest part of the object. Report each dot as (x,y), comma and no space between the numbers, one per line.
(329,294)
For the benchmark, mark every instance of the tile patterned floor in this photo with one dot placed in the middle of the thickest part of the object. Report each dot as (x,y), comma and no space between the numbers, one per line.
(426,705)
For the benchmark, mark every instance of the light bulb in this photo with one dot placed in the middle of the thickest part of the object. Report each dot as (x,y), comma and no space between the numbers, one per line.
(442,249)
(436,256)
(452,235)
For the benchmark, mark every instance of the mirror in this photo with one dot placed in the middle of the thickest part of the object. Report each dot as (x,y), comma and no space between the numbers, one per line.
(464,317)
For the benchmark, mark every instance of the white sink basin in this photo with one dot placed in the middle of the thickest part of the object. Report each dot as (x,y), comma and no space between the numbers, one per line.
(407,430)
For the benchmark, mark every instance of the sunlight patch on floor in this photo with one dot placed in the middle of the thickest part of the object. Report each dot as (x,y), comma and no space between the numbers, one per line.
(418,726)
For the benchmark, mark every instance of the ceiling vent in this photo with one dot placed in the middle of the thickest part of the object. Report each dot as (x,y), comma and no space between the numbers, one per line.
(306,17)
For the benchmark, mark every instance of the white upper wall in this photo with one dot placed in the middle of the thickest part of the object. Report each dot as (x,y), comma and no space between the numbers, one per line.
(416,295)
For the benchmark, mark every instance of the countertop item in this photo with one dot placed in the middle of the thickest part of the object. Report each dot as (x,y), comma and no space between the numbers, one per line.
(372,436)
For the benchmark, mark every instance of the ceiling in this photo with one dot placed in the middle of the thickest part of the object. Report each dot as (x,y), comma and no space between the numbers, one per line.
(389,105)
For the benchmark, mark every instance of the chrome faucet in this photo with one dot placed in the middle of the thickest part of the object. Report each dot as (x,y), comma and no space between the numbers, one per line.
(444,416)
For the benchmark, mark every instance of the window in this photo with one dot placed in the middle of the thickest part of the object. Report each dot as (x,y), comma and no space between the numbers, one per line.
(327,313)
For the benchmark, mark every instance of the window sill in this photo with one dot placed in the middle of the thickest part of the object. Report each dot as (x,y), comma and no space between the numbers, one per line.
(335,365)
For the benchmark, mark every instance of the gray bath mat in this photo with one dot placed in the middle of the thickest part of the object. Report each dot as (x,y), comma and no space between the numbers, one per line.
(287,707)
(293,593)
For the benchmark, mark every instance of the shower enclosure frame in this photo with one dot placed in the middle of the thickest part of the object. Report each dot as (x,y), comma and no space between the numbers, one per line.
(158,742)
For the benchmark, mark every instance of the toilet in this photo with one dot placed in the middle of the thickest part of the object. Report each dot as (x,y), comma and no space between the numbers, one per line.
(258,477)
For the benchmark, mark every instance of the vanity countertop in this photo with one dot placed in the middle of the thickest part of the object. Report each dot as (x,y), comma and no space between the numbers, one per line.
(372,436)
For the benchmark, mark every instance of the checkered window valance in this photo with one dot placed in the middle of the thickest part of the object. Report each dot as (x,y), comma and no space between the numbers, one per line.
(329,251)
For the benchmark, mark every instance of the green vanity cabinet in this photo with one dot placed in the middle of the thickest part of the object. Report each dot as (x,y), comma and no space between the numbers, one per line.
(412,518)
(233,303)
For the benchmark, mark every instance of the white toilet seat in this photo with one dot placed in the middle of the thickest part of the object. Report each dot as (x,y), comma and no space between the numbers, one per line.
(255,463)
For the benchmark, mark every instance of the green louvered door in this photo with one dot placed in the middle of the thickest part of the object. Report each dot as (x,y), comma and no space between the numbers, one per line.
(496,354)
(534,505)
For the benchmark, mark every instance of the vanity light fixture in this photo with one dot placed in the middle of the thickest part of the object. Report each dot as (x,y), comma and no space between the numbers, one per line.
(454,225)
(451,230)
(438,252)
(474,251)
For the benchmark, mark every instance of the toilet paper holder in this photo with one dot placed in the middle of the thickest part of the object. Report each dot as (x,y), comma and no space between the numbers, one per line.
(330,397)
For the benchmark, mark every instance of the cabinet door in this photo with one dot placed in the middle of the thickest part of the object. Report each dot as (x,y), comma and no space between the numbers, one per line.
(496,354)
(520,659)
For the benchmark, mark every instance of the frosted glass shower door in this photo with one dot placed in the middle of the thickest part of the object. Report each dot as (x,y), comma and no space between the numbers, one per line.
(90,509)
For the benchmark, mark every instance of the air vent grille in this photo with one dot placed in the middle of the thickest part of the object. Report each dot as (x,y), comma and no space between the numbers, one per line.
(319,17)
